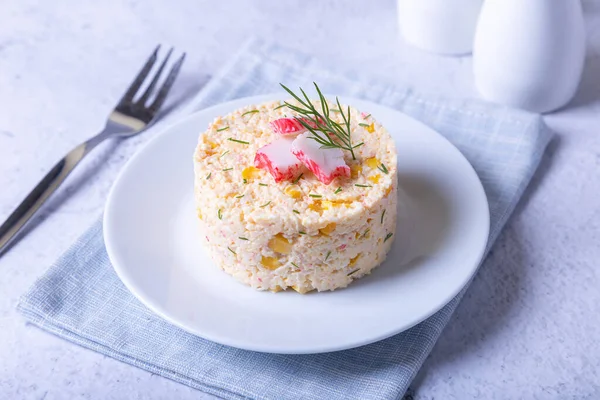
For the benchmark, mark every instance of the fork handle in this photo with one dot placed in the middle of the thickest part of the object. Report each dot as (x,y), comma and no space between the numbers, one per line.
(38,196)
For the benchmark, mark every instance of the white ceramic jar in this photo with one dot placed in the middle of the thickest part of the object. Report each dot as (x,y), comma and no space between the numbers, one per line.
(440,26)
(529,54)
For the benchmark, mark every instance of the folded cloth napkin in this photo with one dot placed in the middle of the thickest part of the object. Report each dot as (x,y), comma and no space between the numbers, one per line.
(81,299)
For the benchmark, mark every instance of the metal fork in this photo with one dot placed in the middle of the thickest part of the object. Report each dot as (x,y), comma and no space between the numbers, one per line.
(129,118)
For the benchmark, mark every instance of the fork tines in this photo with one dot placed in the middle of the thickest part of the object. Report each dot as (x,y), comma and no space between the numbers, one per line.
(127,101)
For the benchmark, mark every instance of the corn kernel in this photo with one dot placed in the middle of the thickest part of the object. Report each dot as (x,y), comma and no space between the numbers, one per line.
(293,191)
(389,189)
(326,204)
(328,229)
(371,128)
(250,173)
(372,162)
(270,263)
(353,260)
(355,170)
(374,178)
(301,291)
(280,244)
(316,206)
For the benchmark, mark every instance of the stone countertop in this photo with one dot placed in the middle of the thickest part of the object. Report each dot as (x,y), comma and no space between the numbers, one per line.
(527,328)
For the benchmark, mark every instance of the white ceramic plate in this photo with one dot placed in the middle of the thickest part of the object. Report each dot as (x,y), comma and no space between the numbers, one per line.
(151,236)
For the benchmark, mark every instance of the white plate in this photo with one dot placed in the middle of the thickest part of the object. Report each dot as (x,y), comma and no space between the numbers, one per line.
(152,240)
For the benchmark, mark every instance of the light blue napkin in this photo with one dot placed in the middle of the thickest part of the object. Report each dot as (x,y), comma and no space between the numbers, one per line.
(82,300)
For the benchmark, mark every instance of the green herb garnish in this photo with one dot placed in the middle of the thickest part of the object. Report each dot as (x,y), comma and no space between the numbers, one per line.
(262,184)
(208,176)
(324,129)
(335,110)
(296,211)
(363,124)
(227,151)
(219,214)
(227,169)
(266,204)
(317,196)
(298,178)
(229,248)
(294,264)
(389,235)
(367,116)
(238,141)
(366,232)
(222,129)
(337,190)
(240,196)
(250,112)
(356,270)
(302,233)
(245,181)
(382,215)
(363,186)
(383,168)
(327,256)
(242,238)
(278,107)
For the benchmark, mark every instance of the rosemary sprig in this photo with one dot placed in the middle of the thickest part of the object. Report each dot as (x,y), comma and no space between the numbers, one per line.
(225,152)
(294,264)
(383,168)
(278,107)
(296,211)
(240,196)
(316,196)
(266,204)
(363,124)
(243,238)
(250,112)
(319,123)
(262,184)
(362,186)
(382,215)
(298,178)
(220,214)
(222,129)
(389,235)
(229,248)
(238,141)
(227,169)
(337,190)
(208,176)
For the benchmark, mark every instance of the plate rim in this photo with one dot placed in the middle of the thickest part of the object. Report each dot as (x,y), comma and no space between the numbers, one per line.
(184,119)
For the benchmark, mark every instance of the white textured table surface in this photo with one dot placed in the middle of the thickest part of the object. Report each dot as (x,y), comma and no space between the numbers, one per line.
(528,327)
